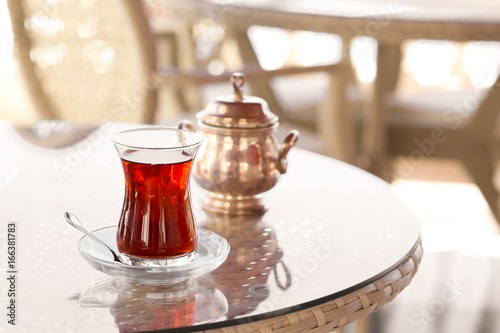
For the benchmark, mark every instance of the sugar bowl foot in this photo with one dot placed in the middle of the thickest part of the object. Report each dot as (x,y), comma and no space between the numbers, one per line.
(234,205)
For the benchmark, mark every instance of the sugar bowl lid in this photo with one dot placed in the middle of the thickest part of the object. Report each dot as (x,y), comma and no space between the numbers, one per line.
(237,110)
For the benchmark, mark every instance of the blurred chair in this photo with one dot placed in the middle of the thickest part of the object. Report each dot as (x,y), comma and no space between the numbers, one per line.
(93,61)
(452,125)
(86,61)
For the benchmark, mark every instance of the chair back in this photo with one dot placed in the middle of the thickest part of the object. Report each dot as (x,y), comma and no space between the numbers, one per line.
(86,61)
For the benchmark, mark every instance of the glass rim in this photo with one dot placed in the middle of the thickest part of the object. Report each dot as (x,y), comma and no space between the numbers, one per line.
(199,138)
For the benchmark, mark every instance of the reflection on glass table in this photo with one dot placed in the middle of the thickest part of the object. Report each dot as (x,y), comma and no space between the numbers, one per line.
(137,307)
(253,264)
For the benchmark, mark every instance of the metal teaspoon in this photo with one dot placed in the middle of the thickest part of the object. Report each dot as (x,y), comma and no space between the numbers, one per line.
(75,222)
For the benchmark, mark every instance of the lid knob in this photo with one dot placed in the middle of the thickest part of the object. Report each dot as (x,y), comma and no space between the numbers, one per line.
(236,110)
(238,80)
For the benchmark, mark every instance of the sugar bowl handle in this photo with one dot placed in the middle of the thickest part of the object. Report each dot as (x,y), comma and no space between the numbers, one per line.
(186,125)
(288,143)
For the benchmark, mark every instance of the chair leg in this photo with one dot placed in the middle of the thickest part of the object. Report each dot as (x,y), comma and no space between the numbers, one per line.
(479,163)
(374,134)
(260,87)
(334,125)
(363,325)
(174,48)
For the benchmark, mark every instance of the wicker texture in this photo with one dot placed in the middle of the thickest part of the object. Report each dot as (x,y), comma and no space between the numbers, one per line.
(343,310)
(86,61)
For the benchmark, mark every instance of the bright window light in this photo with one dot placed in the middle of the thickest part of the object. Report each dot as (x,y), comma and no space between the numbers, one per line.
(313,48)
(481,60)
(430,61)
(272,46)
(363,51)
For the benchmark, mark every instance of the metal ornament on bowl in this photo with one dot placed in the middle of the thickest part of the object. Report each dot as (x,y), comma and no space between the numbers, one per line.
(240,159)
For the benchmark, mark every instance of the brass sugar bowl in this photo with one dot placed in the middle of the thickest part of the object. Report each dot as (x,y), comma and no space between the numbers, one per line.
(240,158)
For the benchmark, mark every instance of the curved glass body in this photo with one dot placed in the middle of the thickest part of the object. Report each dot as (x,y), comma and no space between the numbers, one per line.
(157,226)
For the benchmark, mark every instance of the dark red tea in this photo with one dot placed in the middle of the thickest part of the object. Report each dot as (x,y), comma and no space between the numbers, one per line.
(154,316)
(156,221)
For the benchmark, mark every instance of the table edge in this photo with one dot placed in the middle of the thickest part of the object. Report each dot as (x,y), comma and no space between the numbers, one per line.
(332,311)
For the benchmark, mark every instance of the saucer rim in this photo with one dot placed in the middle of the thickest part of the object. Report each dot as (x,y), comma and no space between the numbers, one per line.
(166,269)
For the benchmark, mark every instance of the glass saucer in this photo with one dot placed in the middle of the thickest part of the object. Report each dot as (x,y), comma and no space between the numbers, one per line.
(211,252)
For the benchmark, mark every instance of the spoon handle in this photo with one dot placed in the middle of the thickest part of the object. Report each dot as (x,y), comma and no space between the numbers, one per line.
(75,222)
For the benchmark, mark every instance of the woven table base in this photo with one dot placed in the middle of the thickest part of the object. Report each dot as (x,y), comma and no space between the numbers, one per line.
(335,314)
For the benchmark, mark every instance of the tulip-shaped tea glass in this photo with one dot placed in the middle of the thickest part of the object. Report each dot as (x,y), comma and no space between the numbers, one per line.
(157,226)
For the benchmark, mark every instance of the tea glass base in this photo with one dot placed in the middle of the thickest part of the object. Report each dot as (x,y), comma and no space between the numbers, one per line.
(234,205)
(211,251)
(157,262)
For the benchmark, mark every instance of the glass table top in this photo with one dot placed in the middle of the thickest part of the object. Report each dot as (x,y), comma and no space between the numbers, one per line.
(329,228)
(462,11)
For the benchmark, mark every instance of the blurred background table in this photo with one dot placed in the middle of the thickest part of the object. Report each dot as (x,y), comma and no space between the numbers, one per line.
(334,246)
(459,125)
(389,23)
